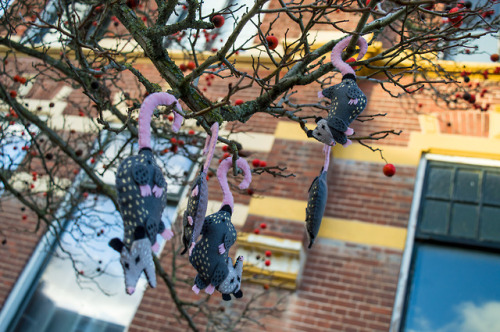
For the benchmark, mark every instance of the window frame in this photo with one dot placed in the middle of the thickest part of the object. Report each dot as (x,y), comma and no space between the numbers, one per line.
(28,281)
(401,297)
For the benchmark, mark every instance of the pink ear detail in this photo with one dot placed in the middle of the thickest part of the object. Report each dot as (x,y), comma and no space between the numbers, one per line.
(320,95)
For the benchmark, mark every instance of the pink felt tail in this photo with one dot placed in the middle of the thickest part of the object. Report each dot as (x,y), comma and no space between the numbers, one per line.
(242,163)
(147,108)
(326,151)
(336,55)
(225,165)
(211,146)
(177,118)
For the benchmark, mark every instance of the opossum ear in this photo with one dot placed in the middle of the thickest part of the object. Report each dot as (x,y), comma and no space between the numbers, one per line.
(226,297)
(116,244)
(139,233)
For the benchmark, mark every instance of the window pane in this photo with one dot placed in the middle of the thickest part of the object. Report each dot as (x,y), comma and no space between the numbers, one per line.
(491,191)
(490,224)
(466,186)
(453,290)
(439,182)
(435,217)
(464,220)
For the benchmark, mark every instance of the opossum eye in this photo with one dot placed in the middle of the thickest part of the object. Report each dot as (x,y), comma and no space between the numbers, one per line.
(137,259)
(149,162)
(126,266)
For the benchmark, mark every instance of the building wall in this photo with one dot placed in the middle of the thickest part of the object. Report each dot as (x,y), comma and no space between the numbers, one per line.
(349,279)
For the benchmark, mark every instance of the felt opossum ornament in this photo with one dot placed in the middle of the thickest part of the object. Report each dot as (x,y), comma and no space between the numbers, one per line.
(210,254)
(142,197)
(318,194)
(347,100)
(198,198)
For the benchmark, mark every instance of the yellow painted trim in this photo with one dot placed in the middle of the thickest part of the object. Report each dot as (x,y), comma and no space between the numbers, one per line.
(277,207)
(331,228)
(271,278)
(430,141)
(363,233)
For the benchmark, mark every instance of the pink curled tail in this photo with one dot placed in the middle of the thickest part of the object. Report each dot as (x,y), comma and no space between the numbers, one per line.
(176,125)
(227,196)
(326,150)
(211,145)
(336,56)
(242,163)
(146,112)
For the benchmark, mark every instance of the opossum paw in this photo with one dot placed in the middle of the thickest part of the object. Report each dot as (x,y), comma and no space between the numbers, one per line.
(353,101)
(190,220)
(349,131)
(346,144)
(195,289)
(210,289)
(320,95)
(145,190)
(194,192)
(191,248)
(222,248)
(157,191)
(155,247)
(167,234)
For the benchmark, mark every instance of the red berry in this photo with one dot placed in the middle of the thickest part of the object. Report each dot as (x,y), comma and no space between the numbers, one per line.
(225,155)
(191,132)
(191,65)
(170,118)
(24,217)
(494,57)
(92,160)
(173,140)
(181,142)
(238,102)
(85,194)
(352,60)
(262,163)
(256,162)
(250,191)
(16,78)
(267,262)
(132,3)
(266,286)
(13,94)
(218,20)
(183,67)
(224,148)
(389,170)
(80,113)
(263,225)
(268,253)
(256,231)
(272,42)
(174,148)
